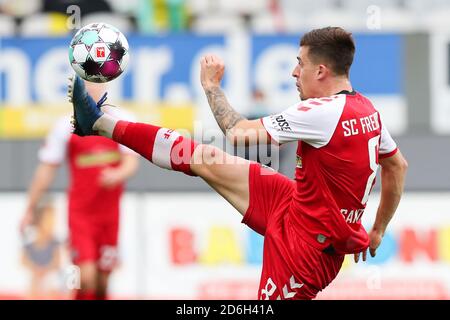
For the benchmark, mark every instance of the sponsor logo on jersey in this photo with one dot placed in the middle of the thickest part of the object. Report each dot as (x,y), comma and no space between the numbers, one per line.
(88,160)
(281,123)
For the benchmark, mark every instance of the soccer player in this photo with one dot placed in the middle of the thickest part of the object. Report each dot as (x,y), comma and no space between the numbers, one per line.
(98,169)
(311,222)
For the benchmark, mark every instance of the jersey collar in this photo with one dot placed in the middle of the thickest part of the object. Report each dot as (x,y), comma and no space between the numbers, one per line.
(352,93)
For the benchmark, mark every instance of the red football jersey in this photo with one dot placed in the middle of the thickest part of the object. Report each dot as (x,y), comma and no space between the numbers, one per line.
(86,158)
(340,139)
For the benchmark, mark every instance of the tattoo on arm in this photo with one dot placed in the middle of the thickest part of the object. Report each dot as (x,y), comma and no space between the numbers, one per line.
(225,115)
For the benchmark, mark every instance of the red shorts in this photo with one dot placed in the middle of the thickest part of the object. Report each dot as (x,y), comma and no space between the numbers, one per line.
(93,242)
(292,269)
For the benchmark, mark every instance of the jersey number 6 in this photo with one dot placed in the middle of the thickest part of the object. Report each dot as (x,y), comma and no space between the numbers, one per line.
(373,145)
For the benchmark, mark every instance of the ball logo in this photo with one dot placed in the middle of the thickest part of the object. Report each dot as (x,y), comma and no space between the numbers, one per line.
(100,52)
(96,58)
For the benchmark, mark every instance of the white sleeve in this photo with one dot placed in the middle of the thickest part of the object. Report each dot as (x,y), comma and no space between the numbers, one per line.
(54,149)
(388,146)
(122,115)
(312,121)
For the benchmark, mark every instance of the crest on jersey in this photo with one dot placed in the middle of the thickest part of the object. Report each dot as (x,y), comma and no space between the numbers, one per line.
(299,162)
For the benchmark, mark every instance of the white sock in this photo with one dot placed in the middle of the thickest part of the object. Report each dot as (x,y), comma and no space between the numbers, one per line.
(105,125)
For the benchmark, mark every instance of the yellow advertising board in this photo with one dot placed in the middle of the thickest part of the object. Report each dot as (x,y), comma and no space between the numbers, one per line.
(34,121)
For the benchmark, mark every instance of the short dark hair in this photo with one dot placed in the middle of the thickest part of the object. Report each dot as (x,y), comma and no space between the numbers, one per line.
(332,44)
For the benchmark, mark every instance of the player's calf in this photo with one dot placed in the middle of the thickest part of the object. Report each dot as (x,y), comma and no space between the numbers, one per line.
(164,147)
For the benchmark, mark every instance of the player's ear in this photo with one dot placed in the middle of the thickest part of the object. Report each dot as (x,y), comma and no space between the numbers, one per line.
(322,71)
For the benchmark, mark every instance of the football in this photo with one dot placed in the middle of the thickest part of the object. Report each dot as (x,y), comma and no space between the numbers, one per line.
(99,52)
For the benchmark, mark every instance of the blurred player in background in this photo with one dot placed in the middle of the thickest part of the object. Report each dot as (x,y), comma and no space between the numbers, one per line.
(309,223)
(42,253)
(98,169)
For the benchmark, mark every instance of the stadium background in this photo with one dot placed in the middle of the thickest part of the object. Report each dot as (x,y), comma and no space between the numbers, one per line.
(178,239)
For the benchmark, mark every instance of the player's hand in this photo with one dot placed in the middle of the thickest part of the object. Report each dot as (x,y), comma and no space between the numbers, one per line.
(212,69)
(357,255)
(375,238)
(109,178)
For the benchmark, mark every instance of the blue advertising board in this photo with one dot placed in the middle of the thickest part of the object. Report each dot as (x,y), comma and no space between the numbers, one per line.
(35,69)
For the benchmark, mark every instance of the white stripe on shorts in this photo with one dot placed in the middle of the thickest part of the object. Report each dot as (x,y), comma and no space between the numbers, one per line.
(163,144)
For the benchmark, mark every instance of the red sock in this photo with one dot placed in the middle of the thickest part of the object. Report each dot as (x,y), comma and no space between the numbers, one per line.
(85,295)
(164,147)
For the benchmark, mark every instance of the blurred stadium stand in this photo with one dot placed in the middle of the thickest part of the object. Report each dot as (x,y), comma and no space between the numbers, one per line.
(43,24)
(7,25)
(118,20)
(208,16)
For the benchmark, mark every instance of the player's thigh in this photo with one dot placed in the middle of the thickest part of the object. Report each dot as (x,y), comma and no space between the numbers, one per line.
(227,174)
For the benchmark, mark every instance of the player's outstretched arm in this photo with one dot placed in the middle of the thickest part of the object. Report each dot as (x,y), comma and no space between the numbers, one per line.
(393,172)
(237,129)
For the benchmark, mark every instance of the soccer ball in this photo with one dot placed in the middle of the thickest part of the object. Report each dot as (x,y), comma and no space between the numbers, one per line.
(98,52)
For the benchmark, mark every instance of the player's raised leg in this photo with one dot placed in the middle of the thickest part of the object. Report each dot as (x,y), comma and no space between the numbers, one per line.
(227,174)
